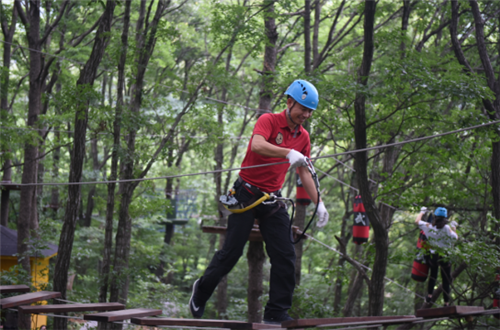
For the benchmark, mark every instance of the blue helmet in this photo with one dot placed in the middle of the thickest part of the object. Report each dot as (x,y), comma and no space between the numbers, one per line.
(304,93)
(441,212)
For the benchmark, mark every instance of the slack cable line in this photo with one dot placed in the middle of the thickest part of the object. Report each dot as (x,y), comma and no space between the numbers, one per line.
(367,268)
(356,189)
(254,166)
(363,266)
(141,134)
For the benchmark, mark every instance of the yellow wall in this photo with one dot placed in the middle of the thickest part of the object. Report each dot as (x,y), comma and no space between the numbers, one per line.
(39,279)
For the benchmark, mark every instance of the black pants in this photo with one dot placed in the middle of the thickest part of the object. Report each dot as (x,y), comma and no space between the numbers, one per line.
(436,261)
(275,231)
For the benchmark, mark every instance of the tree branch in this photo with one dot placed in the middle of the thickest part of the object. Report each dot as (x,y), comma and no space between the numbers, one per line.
(53,25)
(354,263)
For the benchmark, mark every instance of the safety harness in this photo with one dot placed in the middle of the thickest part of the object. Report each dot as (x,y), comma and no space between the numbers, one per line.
(234,206)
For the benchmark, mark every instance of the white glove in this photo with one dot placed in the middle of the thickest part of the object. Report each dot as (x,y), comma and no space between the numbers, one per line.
(322,214)
(454,224)
(296,159)
(423,209)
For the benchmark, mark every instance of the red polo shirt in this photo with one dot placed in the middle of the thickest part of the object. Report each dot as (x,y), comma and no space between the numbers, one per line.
(274,128)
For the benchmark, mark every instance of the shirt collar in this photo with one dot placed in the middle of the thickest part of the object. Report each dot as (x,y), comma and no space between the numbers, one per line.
(284,124)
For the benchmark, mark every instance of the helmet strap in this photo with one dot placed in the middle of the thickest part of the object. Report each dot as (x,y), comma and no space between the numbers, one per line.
(289,114)
(290,117)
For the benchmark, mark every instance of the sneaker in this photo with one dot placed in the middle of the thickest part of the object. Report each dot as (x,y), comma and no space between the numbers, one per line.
(277,320)
(196,308)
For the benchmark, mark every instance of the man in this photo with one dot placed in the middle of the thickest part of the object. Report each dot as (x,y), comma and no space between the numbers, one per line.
(275,137)
(440,237)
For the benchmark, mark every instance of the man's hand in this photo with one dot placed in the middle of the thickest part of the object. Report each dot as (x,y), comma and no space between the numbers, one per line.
(423,209)
(296,159)
(322,215)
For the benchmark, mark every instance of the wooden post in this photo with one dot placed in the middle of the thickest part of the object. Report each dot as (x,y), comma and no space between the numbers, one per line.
(256,258)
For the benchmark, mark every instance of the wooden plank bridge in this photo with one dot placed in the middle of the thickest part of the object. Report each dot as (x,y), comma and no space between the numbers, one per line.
(114,312)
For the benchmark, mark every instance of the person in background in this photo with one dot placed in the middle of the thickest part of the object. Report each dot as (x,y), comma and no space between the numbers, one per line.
(440,237)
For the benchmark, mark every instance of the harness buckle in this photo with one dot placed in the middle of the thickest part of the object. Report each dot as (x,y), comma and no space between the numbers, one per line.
(229,200)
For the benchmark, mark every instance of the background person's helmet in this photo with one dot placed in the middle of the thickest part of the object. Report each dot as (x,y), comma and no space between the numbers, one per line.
(304,93)
(441,212)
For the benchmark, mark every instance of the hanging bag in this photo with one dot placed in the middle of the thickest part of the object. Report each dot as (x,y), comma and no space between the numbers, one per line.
(361,225)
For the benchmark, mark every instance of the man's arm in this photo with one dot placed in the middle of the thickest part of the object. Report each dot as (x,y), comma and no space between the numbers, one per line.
(310,187)
(264,148)
(418,218)
(308,184)
(423,209)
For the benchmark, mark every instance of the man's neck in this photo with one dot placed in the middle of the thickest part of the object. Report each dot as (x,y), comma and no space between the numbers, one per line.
(289,121)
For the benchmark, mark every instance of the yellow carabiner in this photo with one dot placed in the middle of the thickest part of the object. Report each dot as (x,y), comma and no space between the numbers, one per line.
(249,207)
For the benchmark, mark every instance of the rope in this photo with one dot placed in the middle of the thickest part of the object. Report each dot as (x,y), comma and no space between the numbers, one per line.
(142,134)
(256,166)
(368,268)
(356,189)
(363,266)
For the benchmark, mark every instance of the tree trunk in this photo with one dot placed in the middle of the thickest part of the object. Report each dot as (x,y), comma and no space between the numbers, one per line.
(256,258)
(87,219)
(492,108)
(266,91)
(222,301)
(110,204)
(56,155)
(315,43)
(169,227)
(494,111)
(354,286)
(300,216)
(307,36)
(31,22)
(145,43)
(381,240)
(87,77)
(344,236)
(404,24)
(32,25)
(8,34)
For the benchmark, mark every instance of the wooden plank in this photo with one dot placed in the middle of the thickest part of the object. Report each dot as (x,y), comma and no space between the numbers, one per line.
(239,325)
(431,320)
(371,323)
(447,311)
(28,298)
(304,323)
(485,312)
(360,327)
(122,315)
(72,308)
(14,288)
(492,311)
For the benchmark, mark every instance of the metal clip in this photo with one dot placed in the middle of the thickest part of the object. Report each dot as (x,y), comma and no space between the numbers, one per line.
(272,199)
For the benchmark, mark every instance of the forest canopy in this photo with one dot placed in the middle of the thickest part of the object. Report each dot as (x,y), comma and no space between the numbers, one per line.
(121,122)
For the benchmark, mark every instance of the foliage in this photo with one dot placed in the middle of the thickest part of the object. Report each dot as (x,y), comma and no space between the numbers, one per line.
(207,61)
